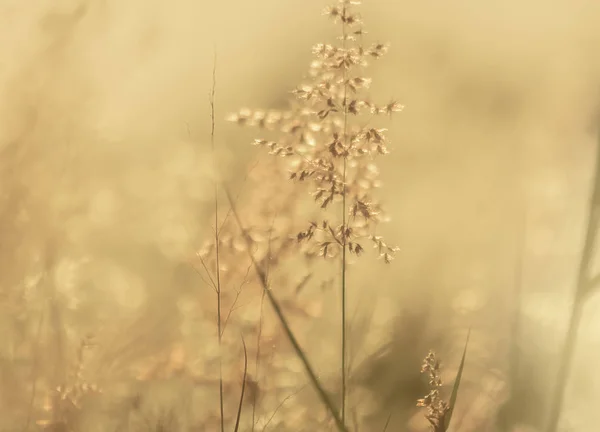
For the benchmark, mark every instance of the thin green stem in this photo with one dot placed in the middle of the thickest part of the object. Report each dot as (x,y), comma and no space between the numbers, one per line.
(344,221)
(217,253)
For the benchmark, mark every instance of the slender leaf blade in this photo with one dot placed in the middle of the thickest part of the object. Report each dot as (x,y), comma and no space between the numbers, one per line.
(456,386)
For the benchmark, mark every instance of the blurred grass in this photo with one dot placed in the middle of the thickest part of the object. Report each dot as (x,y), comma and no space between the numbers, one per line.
(105,195)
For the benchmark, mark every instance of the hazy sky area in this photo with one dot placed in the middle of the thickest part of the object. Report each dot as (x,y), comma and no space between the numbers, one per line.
(106,182)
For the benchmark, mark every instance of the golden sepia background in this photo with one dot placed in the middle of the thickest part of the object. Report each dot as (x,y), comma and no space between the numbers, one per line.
(106,187)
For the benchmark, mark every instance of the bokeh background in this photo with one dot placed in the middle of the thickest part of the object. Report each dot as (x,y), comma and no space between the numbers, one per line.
(106,186)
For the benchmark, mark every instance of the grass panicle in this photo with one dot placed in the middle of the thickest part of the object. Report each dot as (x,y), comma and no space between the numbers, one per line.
(330,143)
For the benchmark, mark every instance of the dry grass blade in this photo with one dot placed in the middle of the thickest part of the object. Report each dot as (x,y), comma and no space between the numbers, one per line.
(454,394)
(387,422)
(582,293)
(34,372)
(284,323)
(239,412)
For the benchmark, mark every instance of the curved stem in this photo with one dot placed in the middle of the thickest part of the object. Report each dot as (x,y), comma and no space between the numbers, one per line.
(344,221)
